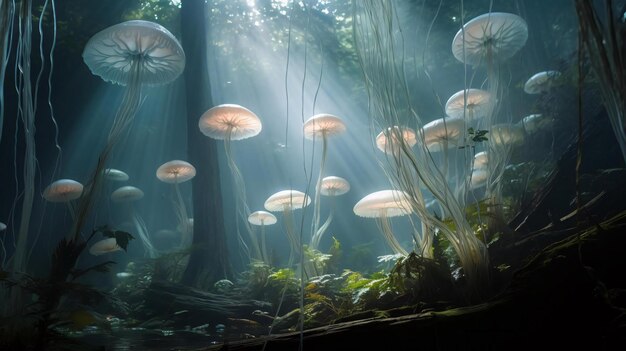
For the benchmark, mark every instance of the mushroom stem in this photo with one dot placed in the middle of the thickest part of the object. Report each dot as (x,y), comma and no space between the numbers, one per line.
(317,237)
(130,104)
(294,242)
(183,218)
(264,254)
(385,228)
(241,202)
(318,186)
(142,231)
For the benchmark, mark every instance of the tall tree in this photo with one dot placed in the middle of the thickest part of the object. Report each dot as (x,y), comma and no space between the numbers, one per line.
(208,261)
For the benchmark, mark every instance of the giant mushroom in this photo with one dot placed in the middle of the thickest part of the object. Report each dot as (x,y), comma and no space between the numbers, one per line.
(321,126)
(382,205)
(262,219)
(128,195)
(286,201)
(132,54)
(175,172)
(331,186)
(541,82)
(469,104)
(233,122)
(65,191)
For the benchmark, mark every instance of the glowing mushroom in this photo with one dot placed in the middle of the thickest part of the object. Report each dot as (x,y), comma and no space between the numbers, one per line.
(262,218)
(286,201)
(104,246)
(536,122)
(477,102)
(115,175)
(541,82)
(383,205)
(490,37)
(321,126)
(133,53)
(443,133)
(397,142)
(506,134)
(331,186)
(233,122)
(129,194)
(64,190)
(480,160)
(393,139)
(175,172)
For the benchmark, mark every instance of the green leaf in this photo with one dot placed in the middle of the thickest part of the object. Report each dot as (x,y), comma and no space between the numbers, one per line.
(120,236)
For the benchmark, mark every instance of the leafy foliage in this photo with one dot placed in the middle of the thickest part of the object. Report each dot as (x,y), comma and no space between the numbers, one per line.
(475,136)
(121,237)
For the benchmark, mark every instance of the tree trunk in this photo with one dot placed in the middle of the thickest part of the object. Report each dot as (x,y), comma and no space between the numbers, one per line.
(208,261)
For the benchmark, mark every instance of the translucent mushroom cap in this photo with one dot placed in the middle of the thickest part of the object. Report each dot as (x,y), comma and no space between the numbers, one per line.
(334,186)
(541,82)
(389,203)
(506,134)
(443,130)
(176,171)
(536,122)
(494,36)
(63,190)
(112,52)
(287,200)
(262,218)
(479,178)
(388,141)
(229,121)
(115,175)
(477,105)
(104,246)
(322,125)
(126,194)
(480,160)
(3,227)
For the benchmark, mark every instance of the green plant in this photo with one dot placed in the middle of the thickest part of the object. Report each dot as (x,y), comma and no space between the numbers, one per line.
(61,282)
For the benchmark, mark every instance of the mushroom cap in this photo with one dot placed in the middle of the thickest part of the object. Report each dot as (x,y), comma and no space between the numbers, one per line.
(478,102)
(323,124)
(126,194)
(229,121)
(497,35)
(536,122)
(3,227)
(389,203)
(479,178)
(111,53)
(262,218)
(541,82)
(480,160)
(176,171)
(63,190)
(104,246)
(393,134)
(287,199)
(334,186)
(443,130)
(506,134)
(115,175)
